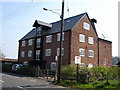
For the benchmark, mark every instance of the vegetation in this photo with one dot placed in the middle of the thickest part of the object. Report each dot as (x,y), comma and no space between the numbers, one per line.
(24,70)
(96,77)
(6,67)
(95,84)
(27,70)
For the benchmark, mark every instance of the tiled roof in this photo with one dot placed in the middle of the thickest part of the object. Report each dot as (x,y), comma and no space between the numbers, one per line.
(101,34)
(68,25)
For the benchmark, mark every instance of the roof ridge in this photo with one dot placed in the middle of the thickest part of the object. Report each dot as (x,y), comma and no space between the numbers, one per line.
(69,17)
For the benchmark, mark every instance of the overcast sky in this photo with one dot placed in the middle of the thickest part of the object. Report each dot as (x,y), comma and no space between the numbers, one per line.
(18,18)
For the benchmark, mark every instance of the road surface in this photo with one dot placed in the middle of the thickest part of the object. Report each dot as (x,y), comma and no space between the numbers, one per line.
(24,82)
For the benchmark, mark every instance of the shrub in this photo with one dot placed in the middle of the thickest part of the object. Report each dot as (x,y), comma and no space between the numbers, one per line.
(113,73)
(99,72)
(27,70)
(6,67)
(68,71)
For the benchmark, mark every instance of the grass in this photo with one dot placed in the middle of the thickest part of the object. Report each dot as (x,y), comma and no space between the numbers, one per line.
(95,84)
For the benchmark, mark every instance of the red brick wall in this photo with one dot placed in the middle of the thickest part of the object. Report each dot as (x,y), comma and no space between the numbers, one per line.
(26,48)
(76,44)
(53,46)
(105,52)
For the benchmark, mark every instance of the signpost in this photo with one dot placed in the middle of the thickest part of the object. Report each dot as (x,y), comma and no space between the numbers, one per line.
(77,61)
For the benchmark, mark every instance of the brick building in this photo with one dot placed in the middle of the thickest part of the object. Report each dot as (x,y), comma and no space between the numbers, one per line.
(80,38)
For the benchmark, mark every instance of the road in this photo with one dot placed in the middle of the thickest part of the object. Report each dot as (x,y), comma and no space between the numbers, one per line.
(23,82)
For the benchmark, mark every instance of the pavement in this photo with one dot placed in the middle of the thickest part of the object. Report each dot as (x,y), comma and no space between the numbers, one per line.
(13,81)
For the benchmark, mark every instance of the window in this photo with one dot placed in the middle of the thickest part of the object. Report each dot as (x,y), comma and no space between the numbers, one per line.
(23,43)
(38,30)
(38,42)
(82,52)
(90,40)
(86,26)
(37,54)
(49,39)
(90,53)
(53,66)
(22,54)
(29,53)
(81,38)
(58,36)
(58,51)
(30,42)
(48,52)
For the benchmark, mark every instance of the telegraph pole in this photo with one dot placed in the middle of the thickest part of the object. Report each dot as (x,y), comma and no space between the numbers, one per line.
(61,44)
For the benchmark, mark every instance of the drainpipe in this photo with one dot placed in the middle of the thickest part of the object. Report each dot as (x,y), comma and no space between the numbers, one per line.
(98,53)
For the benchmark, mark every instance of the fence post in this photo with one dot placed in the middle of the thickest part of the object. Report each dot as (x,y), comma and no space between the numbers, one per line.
(47,73)
(107,78)
(43,73)
(77,73)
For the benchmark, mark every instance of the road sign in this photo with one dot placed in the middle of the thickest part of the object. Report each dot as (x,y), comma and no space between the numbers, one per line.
(77,59)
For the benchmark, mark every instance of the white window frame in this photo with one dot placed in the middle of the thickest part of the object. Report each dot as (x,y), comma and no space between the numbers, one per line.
(90,40)
(29,53)
(48,52)
(23,54)
(89,53)
(30,41)
(58,51)
(81,37)
(23,43)
(37,56)
(58,36)
(82,52)
(86,25)
(49,39)
(38,41)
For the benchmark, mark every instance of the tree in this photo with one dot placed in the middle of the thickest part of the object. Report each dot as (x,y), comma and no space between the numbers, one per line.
(1,53)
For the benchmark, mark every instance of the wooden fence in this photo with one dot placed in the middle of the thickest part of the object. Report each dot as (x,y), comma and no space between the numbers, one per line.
(46,73)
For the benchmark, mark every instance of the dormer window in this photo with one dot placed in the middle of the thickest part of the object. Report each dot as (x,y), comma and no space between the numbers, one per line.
(86,26)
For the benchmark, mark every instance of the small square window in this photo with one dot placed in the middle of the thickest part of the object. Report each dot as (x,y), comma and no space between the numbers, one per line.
(90,53)
(29,53)
(58,36)
(81,38)
(82,52)
(49,39)
(86,26)
(22,54)
(38,42)
(37,54)
(58,51)
(23,43)
(90,40)
(48,52)
(30,42)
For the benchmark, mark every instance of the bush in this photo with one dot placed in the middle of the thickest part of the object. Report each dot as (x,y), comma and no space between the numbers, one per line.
(27,70)
(68,72)
(113,73)
(99,72)
(6,67)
